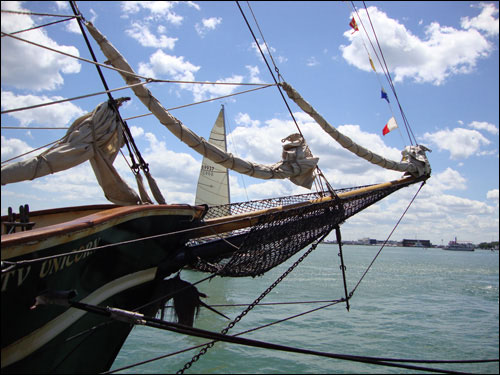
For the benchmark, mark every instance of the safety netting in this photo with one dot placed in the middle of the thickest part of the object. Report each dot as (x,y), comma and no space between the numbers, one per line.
(296,222)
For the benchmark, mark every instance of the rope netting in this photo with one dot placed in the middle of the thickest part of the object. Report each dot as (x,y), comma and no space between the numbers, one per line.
(280,234)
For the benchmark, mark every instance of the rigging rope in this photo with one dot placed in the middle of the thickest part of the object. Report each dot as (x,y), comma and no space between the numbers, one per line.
(385,70)
(37,14)
(135,318)
(29,152)
(268,67)
(235,335)
(40,26)
(385,242)
(254,303)
(319,173)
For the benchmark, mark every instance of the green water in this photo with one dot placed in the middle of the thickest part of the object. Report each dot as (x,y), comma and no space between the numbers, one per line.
(414,303)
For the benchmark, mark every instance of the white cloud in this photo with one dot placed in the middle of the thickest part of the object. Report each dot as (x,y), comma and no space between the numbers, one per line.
(444,52)
(206,25)
(449,179)
(13,147)
(202,92)
(162,65)
(460,142)
(281,59)
(245,120)
(312,61)
(53,115)
(26,66)
(493,195)
(486,21)
(254,74)
(140,32)
(490,128)
(156,9)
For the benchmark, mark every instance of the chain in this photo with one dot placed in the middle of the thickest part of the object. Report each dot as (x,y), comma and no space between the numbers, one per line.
(252,305)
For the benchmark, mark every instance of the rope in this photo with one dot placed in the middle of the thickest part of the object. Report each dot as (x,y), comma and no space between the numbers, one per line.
(235,335)
(33,128)
(73,98)
(36,14)
(254,303)
(40,26)
(134,318)
(72,56)
(268,67)
(272,75)
(29,152)
(204,101)
(385,70)
(385,242)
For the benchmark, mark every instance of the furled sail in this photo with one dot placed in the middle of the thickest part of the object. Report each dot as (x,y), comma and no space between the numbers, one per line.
(293,167)
(414,160)
(96,136)
(213,183)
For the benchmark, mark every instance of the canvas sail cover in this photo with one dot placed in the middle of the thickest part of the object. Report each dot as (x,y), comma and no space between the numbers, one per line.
(95,136)
(284,169)
(213,184)
(414,161)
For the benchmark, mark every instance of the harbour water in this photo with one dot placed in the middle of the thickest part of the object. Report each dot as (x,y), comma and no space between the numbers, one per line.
(414,303)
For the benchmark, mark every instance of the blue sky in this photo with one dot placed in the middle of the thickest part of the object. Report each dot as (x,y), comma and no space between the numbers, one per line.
(442,56)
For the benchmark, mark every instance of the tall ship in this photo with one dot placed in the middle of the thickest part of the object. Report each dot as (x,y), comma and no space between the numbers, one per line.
(76,280)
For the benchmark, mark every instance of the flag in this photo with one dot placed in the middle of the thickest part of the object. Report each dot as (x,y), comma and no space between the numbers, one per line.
(371,63)
(391,125)
(354,25)
(383,95)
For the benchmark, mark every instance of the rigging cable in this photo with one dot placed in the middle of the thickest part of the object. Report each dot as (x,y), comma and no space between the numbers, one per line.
(385,242)
(319,173)
(135,318)
(268,67)
(256,302)
(385,70)
(40,26)
(389,75)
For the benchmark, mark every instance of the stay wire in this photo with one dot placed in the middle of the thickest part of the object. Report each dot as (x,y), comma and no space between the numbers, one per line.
(318,170)
(141,319)
(40,26)
(270,70)
(235,335)
(387,239)
(385,71)
(129,140)
(389,75)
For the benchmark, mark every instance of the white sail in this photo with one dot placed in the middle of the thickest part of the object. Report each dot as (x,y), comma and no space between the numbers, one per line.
(213,183)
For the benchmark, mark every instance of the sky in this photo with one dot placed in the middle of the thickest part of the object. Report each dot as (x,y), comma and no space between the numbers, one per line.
(442,58)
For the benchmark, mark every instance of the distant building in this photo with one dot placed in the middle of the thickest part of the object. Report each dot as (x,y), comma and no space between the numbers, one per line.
(416,243)
(367,241)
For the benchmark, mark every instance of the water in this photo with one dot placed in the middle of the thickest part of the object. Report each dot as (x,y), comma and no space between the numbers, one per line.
(414,303)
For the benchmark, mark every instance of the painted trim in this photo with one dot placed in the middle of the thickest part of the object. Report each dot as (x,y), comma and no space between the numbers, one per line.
(22,243)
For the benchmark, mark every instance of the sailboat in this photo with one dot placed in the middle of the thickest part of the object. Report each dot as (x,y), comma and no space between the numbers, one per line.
(213,183)
(75,280)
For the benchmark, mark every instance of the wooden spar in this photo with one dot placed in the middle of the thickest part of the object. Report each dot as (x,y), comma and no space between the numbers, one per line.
(240,221)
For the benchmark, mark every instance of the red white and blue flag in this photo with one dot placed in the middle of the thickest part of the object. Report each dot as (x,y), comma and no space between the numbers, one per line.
(391,125)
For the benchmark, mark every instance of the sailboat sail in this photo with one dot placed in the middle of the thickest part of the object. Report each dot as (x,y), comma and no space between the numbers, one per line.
(213,183)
